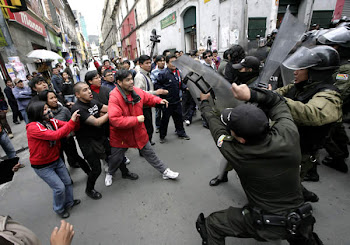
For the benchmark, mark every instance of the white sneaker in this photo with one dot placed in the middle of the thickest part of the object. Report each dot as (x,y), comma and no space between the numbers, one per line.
(187,122)
(108,180)
(10,136)
(169,174)
(127,161)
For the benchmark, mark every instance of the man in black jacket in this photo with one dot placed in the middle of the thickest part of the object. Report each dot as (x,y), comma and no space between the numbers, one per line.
(12,102)
(170,80)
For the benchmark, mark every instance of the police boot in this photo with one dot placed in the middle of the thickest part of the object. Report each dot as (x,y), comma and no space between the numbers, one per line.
(312,174)
(338,164)
(202,230)
(216,181)
(309,196)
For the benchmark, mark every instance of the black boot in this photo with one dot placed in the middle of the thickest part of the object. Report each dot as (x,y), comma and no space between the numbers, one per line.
(309,196)
(312,174)
(202,230)
(216,181)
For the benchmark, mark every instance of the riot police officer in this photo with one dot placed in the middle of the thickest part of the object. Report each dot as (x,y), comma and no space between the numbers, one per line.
(314,102)
(266,160)
(337,141)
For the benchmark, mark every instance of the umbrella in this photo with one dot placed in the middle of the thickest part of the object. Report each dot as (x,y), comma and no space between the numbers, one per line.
(44,55)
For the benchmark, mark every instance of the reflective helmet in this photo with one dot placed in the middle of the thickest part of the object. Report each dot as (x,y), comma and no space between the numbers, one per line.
(339,36)
(316,58)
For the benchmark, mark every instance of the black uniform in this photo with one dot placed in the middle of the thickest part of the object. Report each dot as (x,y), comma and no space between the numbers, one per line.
(269,173)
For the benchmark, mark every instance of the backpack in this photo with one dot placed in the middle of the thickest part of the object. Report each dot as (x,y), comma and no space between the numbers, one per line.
(15,233)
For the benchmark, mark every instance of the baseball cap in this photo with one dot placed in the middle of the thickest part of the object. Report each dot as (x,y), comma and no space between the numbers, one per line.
(248,62)
(247,121)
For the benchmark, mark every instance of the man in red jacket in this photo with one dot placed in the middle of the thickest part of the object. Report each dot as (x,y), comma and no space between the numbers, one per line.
(127,128)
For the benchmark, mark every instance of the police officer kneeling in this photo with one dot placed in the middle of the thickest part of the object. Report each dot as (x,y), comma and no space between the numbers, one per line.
(266,160)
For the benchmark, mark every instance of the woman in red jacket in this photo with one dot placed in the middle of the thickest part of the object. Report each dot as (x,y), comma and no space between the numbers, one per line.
(44,134)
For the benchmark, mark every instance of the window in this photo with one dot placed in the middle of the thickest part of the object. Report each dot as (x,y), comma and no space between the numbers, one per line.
(256,26)
(323,18)
(44,9)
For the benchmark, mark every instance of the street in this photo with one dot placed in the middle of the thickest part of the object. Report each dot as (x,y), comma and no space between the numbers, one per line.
(151,210)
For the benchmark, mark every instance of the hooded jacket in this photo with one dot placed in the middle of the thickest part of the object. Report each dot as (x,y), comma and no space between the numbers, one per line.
(125,130)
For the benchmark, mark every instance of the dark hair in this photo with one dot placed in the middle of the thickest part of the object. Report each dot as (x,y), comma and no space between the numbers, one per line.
(236,53)
(89,76)
(28,75)
(144,58)
(43,94)
(34,72)
(165,51)
(77,87)
(106,71)
(136,60)
(176,52)
(126,62)
(159,58)
(106,61)
(167,59)
(206,52)
(215,51)
(35,80)
(99,69)
(154,56)
(35,111)
(193,52)
(57,65)
(122,74)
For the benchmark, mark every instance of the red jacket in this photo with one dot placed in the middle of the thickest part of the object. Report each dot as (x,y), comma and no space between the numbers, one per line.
(125,130)
(39,138)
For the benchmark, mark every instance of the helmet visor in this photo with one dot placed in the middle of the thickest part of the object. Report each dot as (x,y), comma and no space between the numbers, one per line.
(303,58)
(340,35)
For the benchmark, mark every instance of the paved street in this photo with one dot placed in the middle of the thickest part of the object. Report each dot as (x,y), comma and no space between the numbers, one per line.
(156,211)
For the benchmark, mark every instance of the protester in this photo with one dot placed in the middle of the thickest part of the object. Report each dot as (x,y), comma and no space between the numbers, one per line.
(126,66)
(68,144)
(108,80)
(170,80)
(67,87)
(100,93)
(126,119)
(216,59)
(248,70)
(13,103)
(143,80)
(160,65)
(76,72)
(3,111)
(235,55)
(57,81)
(91,138)
(23,96)
(44,134)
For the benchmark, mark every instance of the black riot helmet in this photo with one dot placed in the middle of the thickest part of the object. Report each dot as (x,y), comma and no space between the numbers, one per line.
(338,36)
(319,58)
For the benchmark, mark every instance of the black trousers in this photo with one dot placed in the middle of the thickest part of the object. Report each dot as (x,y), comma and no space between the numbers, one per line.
(174,111)
(70,149)
(337,142)
(188,106)
(147,112)
(92,156)
(15,112)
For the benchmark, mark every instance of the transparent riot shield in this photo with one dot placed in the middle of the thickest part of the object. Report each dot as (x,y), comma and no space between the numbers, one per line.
(289,34)
(204,79)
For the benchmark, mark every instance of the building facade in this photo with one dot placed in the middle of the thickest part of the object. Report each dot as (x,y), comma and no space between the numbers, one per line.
(190,24)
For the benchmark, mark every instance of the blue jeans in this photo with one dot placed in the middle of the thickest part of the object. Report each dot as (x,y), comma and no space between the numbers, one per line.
(57,177)
(24,115)
(6,144)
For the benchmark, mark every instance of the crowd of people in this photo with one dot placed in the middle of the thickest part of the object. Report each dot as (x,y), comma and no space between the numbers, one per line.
(111,111)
